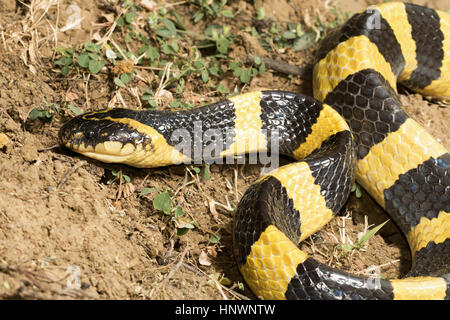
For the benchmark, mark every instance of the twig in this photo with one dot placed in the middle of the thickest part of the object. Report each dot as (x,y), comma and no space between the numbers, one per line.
(49,148)
(197,270)
(119,192)
(70,172)
(171,273)
(185,183)
(284,67)
(171,4)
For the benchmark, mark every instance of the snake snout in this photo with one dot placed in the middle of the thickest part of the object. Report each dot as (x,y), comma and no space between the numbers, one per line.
(103,138)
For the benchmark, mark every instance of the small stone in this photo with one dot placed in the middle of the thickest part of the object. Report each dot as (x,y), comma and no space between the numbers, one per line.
(3,140)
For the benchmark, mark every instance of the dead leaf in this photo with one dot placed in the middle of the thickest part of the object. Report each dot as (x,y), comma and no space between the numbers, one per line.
(70,96)
(149,5)
(128,189)
(212,251)
(203,259)
(212,208)
(109,17)
(96,36)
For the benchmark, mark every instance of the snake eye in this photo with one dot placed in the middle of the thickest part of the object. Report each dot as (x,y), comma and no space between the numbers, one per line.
(90,133)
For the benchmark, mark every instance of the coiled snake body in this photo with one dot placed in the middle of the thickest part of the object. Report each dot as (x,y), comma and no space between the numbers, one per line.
(365,133)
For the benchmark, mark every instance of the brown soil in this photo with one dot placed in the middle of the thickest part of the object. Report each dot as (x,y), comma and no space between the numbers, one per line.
(58,214)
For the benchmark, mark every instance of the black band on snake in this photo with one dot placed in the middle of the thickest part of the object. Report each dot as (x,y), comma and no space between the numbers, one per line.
(360,130)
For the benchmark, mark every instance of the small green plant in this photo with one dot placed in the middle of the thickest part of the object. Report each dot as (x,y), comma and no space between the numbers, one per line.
(357,190)
(219,37)
(45,113)
(260,13)
(363,240)
(89,57)
(211,9)
(163,202)
(75,110)
(145,191)
(204,171)
(214,239)
(245,74)
(116,177)
(291,36)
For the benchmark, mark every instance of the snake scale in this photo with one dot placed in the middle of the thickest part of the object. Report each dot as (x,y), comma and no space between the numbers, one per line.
(355,129)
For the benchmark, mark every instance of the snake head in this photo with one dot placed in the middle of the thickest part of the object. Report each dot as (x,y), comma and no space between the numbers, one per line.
(109,135)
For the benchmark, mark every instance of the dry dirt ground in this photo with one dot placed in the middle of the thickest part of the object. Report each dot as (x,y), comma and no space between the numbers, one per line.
(59,217)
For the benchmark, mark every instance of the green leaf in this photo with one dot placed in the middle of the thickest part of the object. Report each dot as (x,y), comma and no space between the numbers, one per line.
(205,172)
(179,21)
(93,56)
(223,44)
(119,82)
(125,178)
(165,33)
(358,192)
(214,239)
(214,71)
(166,48)
(129,37)
(182,231)
(92,47)
(39,113)
(152,103)
(245,75)
(189,226)
(96,66)
(347,247)
(178,212)
(174,103)
(262,68)
(198,64)
(129,17)
(148,94)
(180,86)
(197,170)
(125,78)
(169,31)
(205,75)
(174,45)
(227,13)
(198,16)
(141,37)
(370,234)
(77,111)
(289,35)
(83,60)
(260,13)
(65,70)
(152,53)
(146,190)
(169,24)
(64,61)
(222,89)
(121,21)
(163,202)
(237,71)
